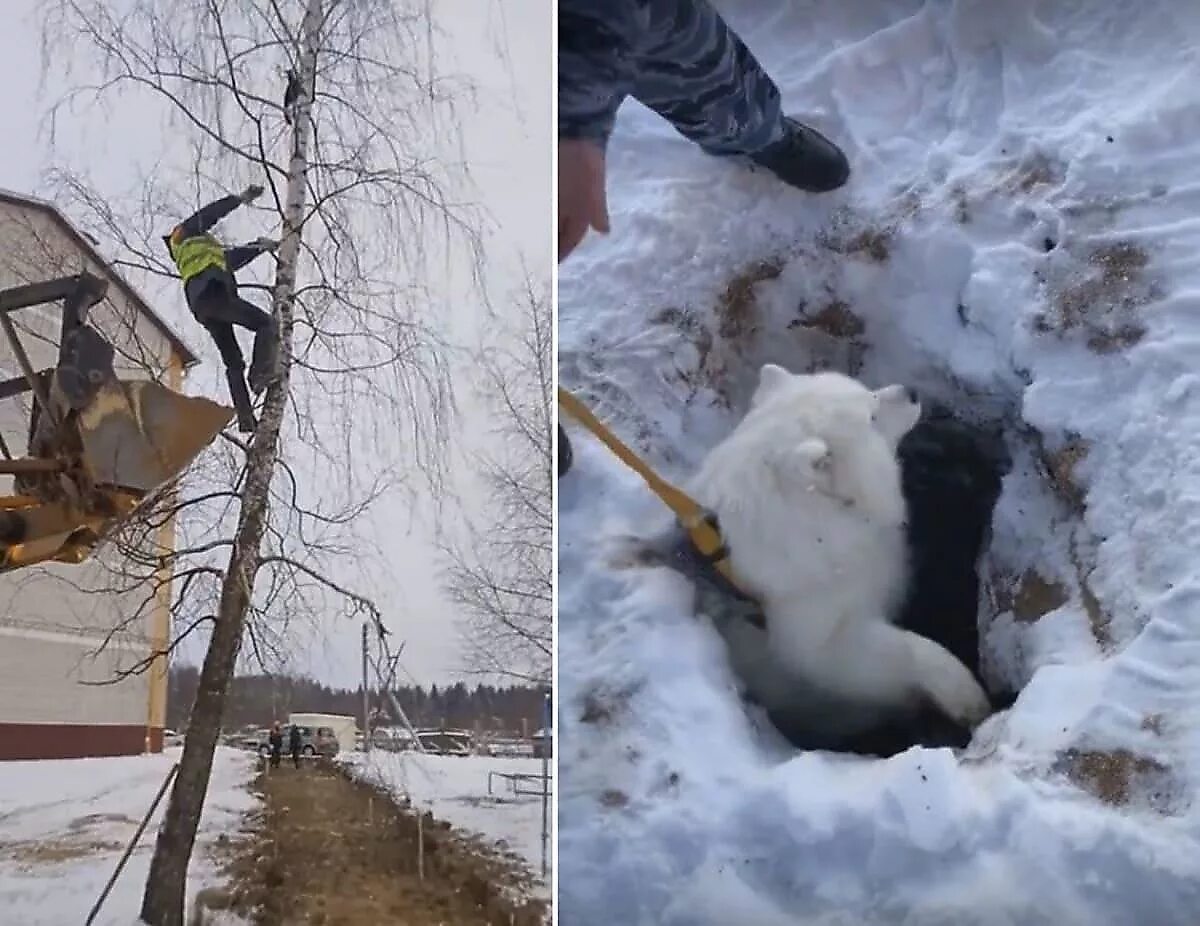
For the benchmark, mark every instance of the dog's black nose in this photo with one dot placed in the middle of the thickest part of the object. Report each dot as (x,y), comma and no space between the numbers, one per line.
(912,395)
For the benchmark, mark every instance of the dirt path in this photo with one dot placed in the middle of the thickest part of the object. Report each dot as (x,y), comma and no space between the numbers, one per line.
(328,850)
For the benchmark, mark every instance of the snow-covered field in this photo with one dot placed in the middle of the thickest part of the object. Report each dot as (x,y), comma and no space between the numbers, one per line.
(455,789)
(65,823)
(1021,238)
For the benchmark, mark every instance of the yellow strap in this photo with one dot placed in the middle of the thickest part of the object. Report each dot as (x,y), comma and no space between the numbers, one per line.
(705,538)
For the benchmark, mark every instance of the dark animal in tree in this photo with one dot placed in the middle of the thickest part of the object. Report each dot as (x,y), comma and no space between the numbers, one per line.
(291,95)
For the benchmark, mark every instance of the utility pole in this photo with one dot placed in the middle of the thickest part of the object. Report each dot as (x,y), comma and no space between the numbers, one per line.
(366,701)
(385,688)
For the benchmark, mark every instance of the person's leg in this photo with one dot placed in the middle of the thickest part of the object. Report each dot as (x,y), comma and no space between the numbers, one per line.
(217,301)
(596,41)
(266,340)
(235,365)
(695,72)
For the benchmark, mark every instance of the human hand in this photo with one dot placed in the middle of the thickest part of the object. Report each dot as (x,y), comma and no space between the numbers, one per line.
(251,193)
(581,199)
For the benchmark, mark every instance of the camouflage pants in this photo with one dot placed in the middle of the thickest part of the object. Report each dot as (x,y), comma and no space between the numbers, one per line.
(676,57)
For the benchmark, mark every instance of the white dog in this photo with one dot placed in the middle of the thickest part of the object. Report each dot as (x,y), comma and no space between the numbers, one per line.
(807,494)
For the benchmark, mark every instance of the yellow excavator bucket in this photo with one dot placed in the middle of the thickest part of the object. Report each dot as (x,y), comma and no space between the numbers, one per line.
(99,446)
(133,437)
(138,435)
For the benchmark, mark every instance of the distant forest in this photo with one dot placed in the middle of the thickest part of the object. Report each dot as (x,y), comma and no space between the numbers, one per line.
(256,700)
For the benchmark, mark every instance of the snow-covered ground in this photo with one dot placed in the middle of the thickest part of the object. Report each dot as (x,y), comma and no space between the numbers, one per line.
(455,789)
(65,823)
(1021,238)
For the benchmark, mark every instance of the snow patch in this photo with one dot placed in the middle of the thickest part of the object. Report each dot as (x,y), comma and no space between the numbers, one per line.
(64,824)
(1018,241)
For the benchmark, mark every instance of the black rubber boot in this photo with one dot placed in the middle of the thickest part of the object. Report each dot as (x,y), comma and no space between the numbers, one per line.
(805,159)
(241,400)
(565,455)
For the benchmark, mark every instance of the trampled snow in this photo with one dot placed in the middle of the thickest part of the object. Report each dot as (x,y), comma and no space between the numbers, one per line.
(1021,239)
(455,790)
(65,823)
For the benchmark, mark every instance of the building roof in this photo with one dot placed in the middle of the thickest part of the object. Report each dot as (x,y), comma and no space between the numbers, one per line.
(186,354)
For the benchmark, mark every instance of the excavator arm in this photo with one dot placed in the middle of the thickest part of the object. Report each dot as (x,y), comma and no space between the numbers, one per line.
(98,445)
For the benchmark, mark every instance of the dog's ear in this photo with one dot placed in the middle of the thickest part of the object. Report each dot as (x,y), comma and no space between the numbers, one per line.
(813,461)
(808,463)
(770,378)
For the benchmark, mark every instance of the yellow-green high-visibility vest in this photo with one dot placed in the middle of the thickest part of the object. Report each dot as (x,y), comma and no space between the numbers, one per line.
(196,254)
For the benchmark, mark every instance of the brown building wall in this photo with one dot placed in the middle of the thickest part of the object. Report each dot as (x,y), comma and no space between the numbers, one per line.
(74,741)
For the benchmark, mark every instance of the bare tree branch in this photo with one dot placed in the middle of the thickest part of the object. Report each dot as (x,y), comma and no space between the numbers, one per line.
(501,576)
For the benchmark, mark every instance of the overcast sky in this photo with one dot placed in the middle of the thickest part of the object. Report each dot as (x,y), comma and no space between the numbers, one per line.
(504,48)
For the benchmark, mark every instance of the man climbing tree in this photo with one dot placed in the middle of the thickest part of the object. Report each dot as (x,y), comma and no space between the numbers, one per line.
(207,269)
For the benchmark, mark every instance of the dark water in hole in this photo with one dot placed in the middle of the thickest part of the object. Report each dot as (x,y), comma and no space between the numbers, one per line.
(951,476)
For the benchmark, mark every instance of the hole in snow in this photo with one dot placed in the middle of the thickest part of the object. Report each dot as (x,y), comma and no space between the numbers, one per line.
(975,600)
(895,301)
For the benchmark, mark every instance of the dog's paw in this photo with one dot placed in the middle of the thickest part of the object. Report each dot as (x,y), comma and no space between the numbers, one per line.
(974,706)
(948,683)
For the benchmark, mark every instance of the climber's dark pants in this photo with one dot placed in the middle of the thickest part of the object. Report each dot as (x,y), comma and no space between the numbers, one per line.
(213,299)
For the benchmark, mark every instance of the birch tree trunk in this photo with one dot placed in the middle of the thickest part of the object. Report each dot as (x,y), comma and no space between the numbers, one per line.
(164,901)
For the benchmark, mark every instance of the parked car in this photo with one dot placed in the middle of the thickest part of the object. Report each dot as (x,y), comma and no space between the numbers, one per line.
(171,738)
(246,739)
(314,741)
(511,747)
(445,742)
(390,739)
